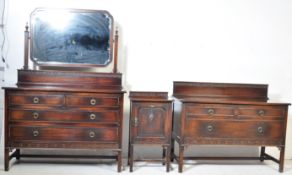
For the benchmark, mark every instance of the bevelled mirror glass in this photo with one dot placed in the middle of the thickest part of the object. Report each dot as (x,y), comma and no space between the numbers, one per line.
(71,37)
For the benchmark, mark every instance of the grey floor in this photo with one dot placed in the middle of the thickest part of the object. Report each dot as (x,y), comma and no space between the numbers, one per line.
(84,167)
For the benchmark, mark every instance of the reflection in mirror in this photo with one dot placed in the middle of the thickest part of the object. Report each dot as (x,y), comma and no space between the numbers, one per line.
(69,37)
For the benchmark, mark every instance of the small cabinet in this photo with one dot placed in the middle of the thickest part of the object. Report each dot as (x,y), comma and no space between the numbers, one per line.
(150,123)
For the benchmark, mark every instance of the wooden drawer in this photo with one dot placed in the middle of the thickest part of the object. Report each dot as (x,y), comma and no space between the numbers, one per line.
(64,115)
(21,133)
(91,101)
(36,99)
(235,129)
(219,111)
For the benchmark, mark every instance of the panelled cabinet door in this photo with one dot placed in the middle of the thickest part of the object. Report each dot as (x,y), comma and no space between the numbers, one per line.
(150,122)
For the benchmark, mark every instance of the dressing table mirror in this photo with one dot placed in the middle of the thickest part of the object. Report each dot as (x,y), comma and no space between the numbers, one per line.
(69,93)
(71,38)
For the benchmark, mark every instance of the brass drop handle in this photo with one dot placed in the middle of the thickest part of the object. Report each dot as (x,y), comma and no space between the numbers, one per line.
(135,122)
(36,100)
(211,111)
(260,130)
(92,116)
(261,113)
(210,128)
(35,133)
(35,115)
(92,101)
(91,134)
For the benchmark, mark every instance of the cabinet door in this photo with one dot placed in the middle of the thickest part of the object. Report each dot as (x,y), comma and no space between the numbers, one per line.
(151,122)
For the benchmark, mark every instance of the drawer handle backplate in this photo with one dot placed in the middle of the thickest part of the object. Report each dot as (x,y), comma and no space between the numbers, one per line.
(91,134)
(236,112)
(92,116)
(35,133)
(211,111)
(261,113)
(260,130)
(210,128)
(35,115)
(36,100)
(93,101)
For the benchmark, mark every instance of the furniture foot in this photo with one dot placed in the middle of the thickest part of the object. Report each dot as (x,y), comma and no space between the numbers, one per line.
(168,150)
(163,154)
(181,159)
(129,145)
(172,149)
(131,158)
(119,161)
(6,159)
(262,155)
(17,153)
(281,160)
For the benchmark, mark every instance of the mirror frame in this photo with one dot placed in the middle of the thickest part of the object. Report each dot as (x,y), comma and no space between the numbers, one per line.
(69,66)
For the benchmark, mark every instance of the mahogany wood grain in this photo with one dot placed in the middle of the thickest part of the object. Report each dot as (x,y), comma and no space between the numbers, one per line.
(150,123)
(227,114)
(67,110)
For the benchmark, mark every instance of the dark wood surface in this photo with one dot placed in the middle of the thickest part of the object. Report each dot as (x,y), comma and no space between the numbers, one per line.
(69,79)
(150,123)
(54,114)
(220,91)
(227,114)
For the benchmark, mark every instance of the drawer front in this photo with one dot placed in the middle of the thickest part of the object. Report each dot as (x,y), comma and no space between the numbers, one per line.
(20,133)
(63,115)
(151,121)
(36,99)
(235,129)
(91,101)
(219,111)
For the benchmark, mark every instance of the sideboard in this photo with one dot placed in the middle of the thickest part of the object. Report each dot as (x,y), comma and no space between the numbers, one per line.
(227,114)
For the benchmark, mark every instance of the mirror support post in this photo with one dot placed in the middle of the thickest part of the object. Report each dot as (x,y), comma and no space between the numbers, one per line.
(116,45)
(26,47)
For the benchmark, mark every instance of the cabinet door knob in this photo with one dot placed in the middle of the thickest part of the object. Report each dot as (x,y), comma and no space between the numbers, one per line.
(135,122)
(261,113)
(36,100)
(260,129)
(35,115)
(91,134)
(92,116)
(210,128)
(92,101)
(35,133)
(211,111)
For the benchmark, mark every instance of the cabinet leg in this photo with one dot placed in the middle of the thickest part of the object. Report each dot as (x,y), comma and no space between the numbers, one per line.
(129,145)
(262,155)
(168,158)
(119,161)
(281,162)
(163,154)
(131,157)
(17,153)
(181,159)
(6,159)
(172,149)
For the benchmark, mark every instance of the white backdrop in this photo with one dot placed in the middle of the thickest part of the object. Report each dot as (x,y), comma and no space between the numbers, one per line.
(234,41)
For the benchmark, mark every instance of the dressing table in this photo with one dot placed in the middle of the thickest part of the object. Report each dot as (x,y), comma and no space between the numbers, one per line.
(72,97)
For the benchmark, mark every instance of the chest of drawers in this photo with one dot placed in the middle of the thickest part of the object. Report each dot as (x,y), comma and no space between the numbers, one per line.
(63,118)
(228,114)
(150,123)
